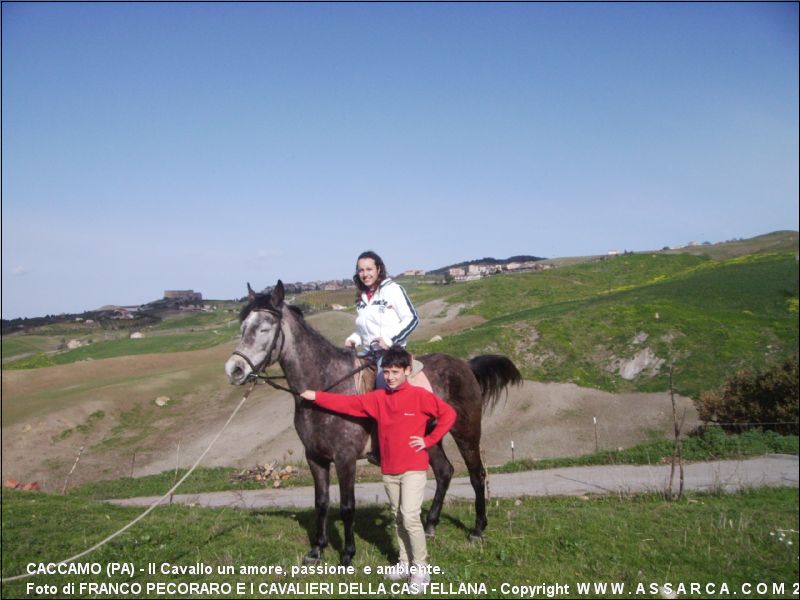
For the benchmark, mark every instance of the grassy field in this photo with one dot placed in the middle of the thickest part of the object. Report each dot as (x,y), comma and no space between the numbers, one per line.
(709,318)
(130,347)
(777,241)
(712,444)
(16,345)
(639,542)
(175,333)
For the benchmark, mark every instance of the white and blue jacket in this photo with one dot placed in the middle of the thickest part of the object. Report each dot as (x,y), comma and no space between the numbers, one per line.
(389,314)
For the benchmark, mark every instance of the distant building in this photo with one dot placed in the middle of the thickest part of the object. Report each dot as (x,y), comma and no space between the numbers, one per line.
(184,295)
(457,272)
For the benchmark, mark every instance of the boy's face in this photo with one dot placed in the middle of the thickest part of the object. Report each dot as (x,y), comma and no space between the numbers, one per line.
(395,376)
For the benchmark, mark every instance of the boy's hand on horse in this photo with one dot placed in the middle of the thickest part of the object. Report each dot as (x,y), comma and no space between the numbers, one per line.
(309,395)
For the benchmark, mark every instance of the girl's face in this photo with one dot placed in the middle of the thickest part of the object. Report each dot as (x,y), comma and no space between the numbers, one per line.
(367,272)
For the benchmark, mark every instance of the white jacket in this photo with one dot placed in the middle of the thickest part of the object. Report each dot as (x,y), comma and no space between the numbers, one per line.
(389,314)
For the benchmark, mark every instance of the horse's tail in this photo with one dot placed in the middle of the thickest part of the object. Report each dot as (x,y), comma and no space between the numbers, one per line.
(494,373)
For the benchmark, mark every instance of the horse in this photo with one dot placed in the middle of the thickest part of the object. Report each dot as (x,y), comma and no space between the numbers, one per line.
(273,331)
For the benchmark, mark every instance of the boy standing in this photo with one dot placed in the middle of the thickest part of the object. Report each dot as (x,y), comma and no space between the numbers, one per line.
(402,412)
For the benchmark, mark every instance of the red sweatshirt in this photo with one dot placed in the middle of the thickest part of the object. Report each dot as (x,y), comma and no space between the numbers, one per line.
(400,413)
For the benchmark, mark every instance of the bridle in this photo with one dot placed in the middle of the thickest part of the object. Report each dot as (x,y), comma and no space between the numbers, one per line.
(257,370)
(266,362)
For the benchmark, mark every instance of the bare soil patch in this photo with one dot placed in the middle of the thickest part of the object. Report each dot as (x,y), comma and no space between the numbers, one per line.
(441,318)
(543,420)
(547,420)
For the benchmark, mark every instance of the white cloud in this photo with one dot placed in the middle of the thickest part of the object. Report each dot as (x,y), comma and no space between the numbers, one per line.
(19,270)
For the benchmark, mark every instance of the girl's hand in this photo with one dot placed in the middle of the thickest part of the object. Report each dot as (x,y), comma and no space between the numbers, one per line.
(417,442)
(309,395)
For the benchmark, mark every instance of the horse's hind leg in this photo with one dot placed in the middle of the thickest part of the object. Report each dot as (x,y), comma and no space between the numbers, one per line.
(477,477)
(346,471)
(321,472)
(443,472)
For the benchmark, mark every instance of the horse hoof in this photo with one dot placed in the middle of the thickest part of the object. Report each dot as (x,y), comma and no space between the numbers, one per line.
(308,559)
(475,537)
(346,561)
(430,533)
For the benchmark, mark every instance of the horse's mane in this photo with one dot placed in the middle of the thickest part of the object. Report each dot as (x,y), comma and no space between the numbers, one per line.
(261,301)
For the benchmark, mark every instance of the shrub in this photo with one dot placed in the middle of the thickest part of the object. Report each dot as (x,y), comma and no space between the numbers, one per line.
(767,399)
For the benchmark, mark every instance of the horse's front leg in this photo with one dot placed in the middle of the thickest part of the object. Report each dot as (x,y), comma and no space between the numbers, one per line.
(321,472)
(346,472)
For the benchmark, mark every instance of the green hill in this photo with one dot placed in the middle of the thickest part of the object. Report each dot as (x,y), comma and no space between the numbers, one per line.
(582,323)
(614,323)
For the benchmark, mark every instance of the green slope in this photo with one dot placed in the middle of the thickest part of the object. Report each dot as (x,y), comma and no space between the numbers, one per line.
(574,324)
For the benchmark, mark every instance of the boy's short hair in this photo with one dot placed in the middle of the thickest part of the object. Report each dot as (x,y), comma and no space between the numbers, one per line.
(396,356)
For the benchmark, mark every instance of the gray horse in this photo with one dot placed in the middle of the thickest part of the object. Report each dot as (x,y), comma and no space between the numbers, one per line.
(272,331)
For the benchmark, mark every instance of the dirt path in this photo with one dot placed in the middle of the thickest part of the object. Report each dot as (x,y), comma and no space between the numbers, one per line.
(732,475)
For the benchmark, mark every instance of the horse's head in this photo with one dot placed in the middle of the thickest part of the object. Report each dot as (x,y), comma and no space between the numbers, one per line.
(261,341)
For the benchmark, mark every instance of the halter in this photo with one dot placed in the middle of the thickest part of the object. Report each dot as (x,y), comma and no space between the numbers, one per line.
(256,371)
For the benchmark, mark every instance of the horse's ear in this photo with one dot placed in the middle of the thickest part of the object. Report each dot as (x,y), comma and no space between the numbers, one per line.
(251,295)
(277,294)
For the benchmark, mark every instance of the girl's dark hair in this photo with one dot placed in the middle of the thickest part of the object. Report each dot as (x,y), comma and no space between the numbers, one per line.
(378,263)
(396,356)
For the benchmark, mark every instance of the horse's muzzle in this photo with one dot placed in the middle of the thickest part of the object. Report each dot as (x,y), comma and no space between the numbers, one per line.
(237,370)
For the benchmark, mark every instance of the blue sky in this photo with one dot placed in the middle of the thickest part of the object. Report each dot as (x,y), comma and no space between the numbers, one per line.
(174,146)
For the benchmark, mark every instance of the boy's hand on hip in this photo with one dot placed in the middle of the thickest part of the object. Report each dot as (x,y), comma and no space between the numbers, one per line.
(417,442)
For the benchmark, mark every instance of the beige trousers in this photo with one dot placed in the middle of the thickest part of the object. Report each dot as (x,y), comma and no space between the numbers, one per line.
(406,492)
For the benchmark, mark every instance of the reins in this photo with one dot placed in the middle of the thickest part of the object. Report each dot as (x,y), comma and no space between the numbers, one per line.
(268,379)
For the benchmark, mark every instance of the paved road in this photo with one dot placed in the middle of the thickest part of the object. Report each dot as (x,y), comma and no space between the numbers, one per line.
(730,475)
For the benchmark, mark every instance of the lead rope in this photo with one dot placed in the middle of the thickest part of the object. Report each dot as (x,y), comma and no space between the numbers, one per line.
(152,506)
